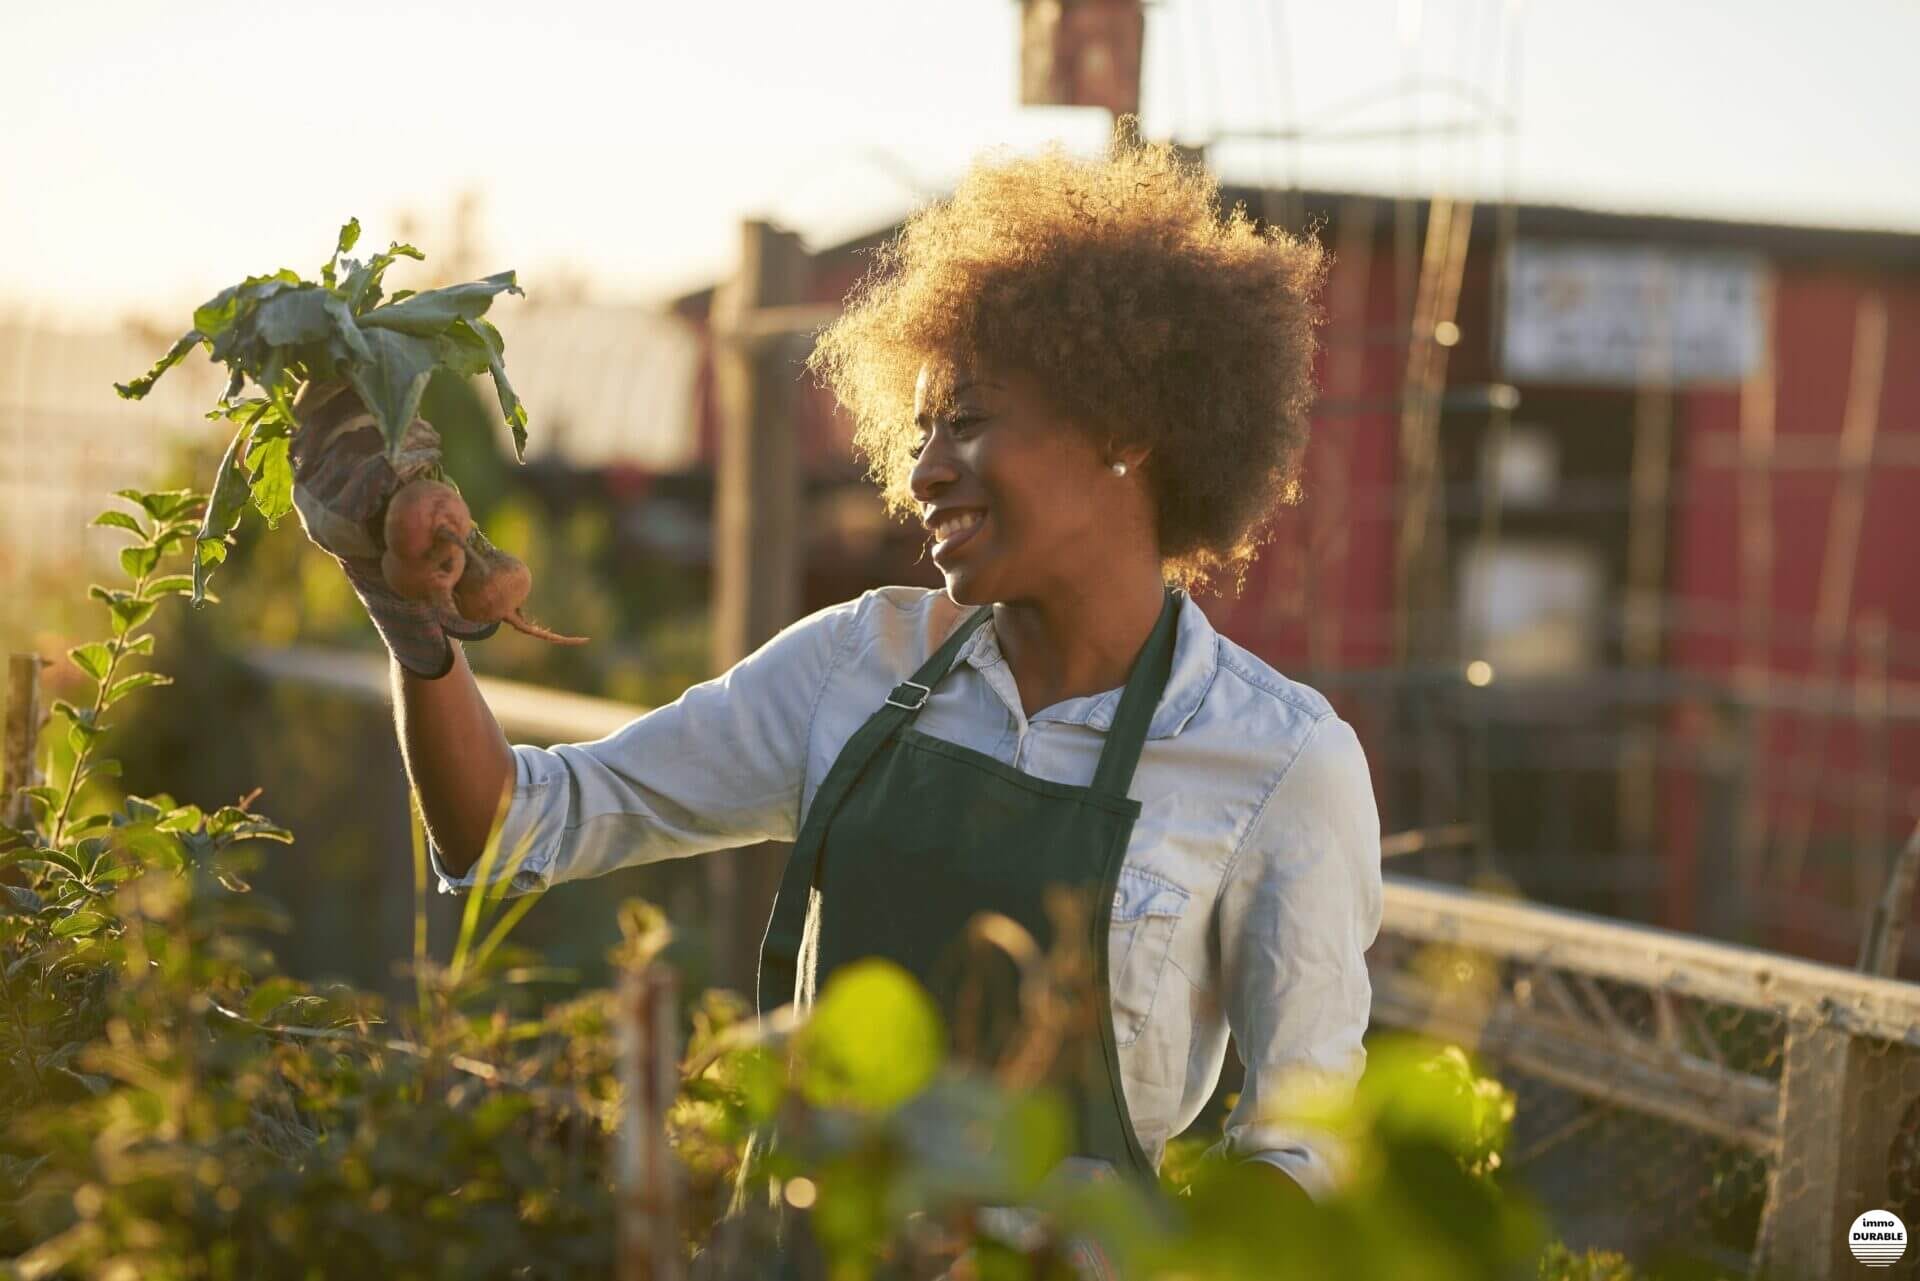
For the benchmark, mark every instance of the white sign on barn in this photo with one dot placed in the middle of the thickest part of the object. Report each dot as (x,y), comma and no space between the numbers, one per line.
(1630,314)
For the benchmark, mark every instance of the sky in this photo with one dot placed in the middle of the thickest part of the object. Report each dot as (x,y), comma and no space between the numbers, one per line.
(151,154)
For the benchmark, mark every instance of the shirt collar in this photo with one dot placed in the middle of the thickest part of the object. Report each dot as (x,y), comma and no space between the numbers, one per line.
(1196,660)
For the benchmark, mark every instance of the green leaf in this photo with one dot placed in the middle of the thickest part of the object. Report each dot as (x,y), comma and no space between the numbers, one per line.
(174,536)
(152,846)
(873,1041)
(392,383)
(139,680)
(272,488)
(294,317)
(216,317)
(233,823)
(510,407)
(463,350)
(129,614)
(162,505)
(79,735)
(139,644)
(234,410)
(169,585)
(120,520)
(349,236)
(362,287)
(80,925)
(61,707)
(429,313)
(93,658)
(138,562)
(21,899)
(139,387)
(182,818)
(346,329)
(61,859)
(230,490)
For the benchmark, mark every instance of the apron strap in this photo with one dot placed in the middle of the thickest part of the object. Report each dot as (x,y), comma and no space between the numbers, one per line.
(912,694)
(780,960)
(1121,754)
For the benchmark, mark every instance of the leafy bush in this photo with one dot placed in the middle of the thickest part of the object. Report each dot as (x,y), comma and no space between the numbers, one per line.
(174,1108)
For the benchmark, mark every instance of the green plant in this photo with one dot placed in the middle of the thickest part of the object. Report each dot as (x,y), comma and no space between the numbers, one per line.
(176,1109)
(282,332)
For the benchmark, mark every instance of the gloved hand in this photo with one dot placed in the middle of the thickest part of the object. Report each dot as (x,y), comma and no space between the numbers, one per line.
(342,480)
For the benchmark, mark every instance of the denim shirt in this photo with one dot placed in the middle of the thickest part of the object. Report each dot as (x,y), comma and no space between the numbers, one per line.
(1247,899)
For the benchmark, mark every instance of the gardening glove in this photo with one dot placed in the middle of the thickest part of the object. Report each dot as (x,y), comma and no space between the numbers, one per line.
(342,479)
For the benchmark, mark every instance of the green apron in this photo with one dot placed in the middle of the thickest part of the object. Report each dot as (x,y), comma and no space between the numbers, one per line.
(910,836)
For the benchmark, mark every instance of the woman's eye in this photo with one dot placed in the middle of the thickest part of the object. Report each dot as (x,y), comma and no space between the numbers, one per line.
(962,426)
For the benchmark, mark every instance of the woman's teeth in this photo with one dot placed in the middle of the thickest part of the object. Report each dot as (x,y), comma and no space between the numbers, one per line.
(951,526)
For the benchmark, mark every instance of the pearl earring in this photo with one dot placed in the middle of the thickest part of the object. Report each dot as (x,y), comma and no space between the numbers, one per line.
(1119,469)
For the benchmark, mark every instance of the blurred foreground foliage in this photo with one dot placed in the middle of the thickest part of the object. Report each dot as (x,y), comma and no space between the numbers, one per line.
(172,1107)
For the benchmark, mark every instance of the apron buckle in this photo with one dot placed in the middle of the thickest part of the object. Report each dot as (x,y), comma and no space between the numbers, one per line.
(899,692)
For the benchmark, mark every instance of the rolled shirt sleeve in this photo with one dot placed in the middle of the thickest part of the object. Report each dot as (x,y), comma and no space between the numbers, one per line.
(1299,909)
(723,765)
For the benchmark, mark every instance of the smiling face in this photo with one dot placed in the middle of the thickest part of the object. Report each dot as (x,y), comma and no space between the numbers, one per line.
(1020,502)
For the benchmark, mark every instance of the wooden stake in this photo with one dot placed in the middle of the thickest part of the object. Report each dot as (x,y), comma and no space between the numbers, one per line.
(649,1224)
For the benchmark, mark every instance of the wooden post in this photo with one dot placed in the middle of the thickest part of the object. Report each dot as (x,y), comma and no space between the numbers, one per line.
(649,1227)
(1887,927)
(1648,487)
(757,504)
(1754,667)
(1420,547)
(1841,1100)
(22,732)
(757,518)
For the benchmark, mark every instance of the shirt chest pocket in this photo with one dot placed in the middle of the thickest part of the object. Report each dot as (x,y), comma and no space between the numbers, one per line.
(1146,909)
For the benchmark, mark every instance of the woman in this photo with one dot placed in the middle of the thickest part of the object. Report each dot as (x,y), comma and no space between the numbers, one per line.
(1092,389)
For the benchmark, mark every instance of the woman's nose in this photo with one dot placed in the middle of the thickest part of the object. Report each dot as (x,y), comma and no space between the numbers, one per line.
(932,471)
